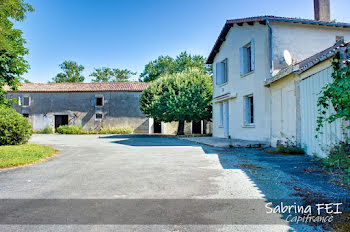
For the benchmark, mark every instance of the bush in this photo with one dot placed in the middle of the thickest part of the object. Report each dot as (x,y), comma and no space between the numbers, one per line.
(46,130)
(14,128)
(290,147)
(117,130)
(339,159)
(69,129)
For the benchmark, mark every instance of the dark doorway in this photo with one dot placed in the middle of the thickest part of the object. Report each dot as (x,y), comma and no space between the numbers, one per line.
(61,120)
(157,127)
(197,127)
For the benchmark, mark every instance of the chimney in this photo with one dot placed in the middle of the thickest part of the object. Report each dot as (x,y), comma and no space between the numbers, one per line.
(322,10)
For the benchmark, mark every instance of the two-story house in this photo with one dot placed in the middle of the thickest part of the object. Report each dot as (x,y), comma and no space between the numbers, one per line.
(250,50)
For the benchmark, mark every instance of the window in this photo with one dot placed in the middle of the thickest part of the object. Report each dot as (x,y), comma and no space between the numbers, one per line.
(25,115)
(25,101)
(99,116)
(221,72)
(339,38)
(99,101)
(249,110)
(247,58)
(221,119)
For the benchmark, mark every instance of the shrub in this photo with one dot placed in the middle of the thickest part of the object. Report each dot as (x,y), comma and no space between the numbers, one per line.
(117,130)
(46,130)
(14,128)
(339,159)
(290,147)
(69,129)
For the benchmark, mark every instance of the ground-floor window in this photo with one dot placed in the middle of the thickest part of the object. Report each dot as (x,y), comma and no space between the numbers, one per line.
(249,110)
(221,117)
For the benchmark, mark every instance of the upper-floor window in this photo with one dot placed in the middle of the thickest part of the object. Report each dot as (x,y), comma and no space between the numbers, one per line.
(24,101)
(247,58)
(99,101)
(221,72)
(339,38)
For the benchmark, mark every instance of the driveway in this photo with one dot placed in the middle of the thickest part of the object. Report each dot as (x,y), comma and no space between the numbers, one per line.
(151,172)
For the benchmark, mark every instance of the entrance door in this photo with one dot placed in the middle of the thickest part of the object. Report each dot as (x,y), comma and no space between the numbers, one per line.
(61,120)
(226,119)
(157,127)
(197,127)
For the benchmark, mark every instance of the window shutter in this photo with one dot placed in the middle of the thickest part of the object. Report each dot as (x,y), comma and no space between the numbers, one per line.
(93,101)
(247,110)
(252,57)
(19,101)
(219,73)
(225,71)
(241,54)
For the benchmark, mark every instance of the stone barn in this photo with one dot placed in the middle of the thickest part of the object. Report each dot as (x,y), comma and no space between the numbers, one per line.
(91,105)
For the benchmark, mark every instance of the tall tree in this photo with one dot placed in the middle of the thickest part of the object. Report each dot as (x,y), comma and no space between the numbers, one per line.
(155,68)
(111,75)
(72,72)
(168,65)
(12,50)
(183,96)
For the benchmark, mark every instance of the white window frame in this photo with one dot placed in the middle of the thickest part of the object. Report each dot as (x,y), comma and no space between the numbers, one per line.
(221,114)
(22,101)
(103,100)
(247,58)
(98,119)
(249,110)
(222,72)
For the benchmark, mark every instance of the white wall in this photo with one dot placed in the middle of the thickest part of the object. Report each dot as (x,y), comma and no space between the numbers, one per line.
(253,83)
(283,109)
(302,40)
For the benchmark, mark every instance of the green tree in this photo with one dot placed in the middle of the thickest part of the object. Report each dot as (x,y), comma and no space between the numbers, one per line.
(155,68)
(72,72)
(111,75)
(12,50)
(184,96)
(169,65)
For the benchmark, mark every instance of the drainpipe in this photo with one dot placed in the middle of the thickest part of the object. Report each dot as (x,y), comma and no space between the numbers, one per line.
(271,71)
(271,46)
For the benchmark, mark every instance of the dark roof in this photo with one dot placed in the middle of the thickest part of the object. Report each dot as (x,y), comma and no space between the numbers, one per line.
(83,87)
(263,19)
(311,61)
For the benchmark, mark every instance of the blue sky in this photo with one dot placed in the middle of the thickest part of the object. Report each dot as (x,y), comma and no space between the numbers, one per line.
(130,33)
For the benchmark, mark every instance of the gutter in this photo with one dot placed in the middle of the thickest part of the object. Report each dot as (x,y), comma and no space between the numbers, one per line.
(271,46)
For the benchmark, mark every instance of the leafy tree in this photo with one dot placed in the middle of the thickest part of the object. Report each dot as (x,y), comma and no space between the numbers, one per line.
(111,75)
(12,50)
(166,64)
(71,73)
(184,96)
(102,75)
(335,95)
(155,68)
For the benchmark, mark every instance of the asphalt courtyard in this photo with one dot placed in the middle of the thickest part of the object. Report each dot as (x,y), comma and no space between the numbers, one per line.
(139,183)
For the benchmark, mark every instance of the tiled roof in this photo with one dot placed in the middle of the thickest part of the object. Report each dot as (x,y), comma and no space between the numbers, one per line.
(83,87)
(308,63)
(263,19)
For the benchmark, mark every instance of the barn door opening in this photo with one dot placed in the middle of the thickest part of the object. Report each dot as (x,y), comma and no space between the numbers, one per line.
(61,120)
(157,127)
(197,127)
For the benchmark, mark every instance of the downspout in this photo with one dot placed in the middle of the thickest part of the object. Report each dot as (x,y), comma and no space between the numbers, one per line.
(271,72)
(271,46)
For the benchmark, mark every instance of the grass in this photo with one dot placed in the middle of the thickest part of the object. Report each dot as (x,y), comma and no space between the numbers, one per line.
(19,155)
